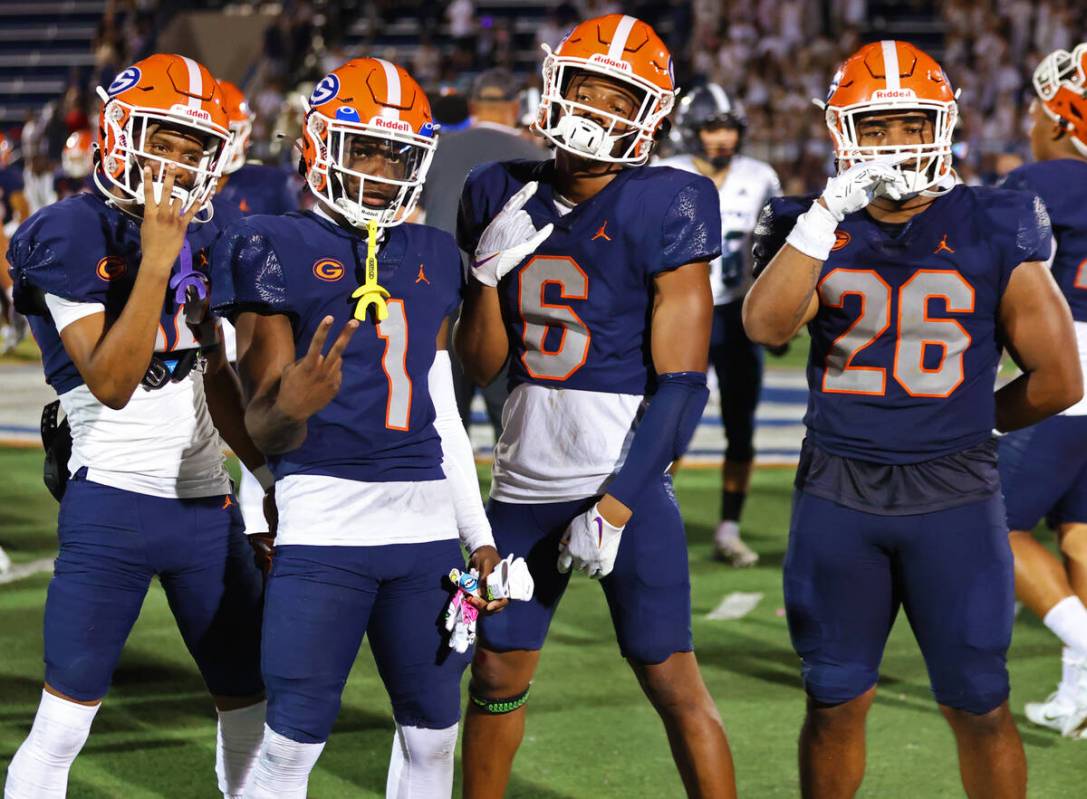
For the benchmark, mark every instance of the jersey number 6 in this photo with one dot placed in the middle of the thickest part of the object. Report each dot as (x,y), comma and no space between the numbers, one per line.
(566,357)
(915,332)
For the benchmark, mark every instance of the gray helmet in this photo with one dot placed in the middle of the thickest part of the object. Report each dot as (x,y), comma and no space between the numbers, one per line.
(705,106)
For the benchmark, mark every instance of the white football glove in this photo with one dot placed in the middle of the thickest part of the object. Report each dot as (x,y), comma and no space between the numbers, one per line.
(857,186)
(510,579)
(460,623)
(589,545)
(509,239)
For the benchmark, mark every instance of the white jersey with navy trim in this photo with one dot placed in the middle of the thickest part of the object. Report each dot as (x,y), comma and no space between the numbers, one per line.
(748,186)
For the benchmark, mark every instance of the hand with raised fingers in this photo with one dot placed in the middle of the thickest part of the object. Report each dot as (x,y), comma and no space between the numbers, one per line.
(509,238)
(311,382)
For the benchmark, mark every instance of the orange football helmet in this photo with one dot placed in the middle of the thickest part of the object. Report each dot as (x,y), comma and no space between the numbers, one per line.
(893,76)
(77,158)
(621,48)
(373,110)
(241,125)
(1061,83)
(169,90)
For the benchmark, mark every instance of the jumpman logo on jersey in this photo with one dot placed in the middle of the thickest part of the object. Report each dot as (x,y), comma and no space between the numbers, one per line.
(601,234)
(422,278)
(227,501)
(243,206)
(943,247)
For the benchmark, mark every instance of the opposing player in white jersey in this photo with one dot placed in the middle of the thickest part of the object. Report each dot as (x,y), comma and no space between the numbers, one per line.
(712,127)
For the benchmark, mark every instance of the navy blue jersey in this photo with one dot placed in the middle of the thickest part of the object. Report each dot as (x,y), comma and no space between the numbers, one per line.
(83,250)
(255,189)
(380,425)
(1062,185)
(905,346)
(577,311)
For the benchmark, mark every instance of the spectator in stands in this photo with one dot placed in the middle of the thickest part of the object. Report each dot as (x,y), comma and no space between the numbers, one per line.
(494,107)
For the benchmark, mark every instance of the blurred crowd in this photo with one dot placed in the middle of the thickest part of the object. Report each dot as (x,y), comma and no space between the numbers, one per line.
(774,56)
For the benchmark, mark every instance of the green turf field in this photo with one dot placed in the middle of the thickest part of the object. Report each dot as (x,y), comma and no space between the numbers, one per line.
(590,734)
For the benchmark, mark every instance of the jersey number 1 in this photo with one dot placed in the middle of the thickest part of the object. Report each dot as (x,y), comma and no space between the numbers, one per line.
(915,332)
(394,331)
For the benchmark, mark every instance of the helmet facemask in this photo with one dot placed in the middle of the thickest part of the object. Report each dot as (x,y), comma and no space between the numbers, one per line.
(241,130)
(127,131)
(572,126)
(1061,83)
(393,189)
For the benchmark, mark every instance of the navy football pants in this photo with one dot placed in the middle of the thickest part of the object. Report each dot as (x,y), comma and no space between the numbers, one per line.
(1043,469)
(848,572)
(321,600)
(737,360)
(112,542)
(648,592)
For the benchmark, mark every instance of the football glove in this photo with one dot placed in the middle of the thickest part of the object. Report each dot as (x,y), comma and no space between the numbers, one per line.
(861,183)
(510,579)
(509,239)
(589,545)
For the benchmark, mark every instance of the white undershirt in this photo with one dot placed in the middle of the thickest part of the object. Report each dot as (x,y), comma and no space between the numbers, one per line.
(162,443)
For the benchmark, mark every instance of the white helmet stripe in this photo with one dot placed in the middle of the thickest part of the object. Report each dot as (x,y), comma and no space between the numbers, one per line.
(719,97)
(196,83)
(890,64)
(619,40)
(392,82)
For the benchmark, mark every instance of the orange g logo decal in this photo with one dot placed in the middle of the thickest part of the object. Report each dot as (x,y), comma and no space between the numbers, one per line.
(328,270)
(841,239)
(111,267)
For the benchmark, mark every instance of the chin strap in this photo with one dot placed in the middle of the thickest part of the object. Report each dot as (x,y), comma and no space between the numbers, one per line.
(370,292)
(943,185)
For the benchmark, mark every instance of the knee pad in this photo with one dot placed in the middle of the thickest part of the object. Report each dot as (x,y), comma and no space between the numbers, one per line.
(977,692)
(498,707)
(836,685)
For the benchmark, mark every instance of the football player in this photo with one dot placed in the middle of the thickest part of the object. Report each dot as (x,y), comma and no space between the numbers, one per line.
(114,283)
(909,285)
(591,276)
(712,127)
(76,165)
(375,475)
(1043,468)
(249,189)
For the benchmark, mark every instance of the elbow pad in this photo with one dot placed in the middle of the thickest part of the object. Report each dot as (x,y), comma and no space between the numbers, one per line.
(663,434)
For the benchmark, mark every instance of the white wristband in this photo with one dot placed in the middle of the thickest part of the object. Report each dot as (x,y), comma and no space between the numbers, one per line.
(813,233)
(264,477)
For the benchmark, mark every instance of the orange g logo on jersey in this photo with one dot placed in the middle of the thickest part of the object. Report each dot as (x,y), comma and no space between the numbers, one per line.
(111,267)
(841,239)
(328,270)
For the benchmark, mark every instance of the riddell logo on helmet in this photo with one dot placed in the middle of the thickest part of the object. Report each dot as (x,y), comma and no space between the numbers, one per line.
(894,94)
(391,124)
(610,62)
(194,113)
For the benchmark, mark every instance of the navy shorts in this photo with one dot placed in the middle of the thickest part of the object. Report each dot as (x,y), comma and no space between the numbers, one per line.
(737,360)
(847,572)
(648,592)
(112,542)
(1043,469)
(321,600)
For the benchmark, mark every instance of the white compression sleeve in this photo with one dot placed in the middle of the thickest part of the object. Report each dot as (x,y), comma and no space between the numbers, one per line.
(421,766)
(458,461)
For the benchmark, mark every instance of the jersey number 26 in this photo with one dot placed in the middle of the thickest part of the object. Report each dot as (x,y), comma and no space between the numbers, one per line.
(915,331)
